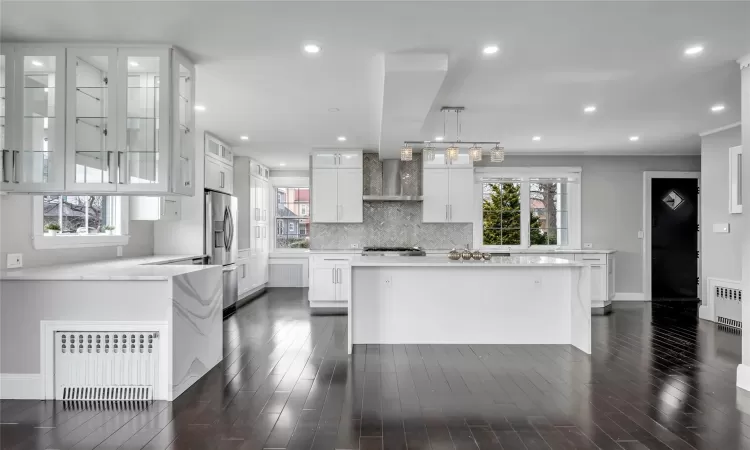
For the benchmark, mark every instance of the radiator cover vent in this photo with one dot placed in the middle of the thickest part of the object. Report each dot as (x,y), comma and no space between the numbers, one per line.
(106,365)
(727,300)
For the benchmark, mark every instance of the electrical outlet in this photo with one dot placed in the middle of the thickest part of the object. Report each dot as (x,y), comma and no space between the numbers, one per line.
(119,250)
(354,246)
(588,245)
(14,260)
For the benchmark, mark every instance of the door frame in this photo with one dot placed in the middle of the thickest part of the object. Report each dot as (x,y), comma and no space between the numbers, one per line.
(648,176)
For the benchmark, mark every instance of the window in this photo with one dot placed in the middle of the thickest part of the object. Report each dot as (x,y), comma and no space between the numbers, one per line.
(523,209)
(292,217)
(69,221)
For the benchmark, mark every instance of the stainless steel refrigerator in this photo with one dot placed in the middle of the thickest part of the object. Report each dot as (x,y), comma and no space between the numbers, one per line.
(220,242)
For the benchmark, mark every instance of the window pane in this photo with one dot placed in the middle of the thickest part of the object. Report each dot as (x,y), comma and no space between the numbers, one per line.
(77,214)
(501,213)
(548,206)
(292,217)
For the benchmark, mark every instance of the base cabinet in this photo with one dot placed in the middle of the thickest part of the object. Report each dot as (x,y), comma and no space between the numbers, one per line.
(330,280)
(602,274)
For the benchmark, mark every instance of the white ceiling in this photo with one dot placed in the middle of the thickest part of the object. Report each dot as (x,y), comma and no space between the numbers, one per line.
(556,57)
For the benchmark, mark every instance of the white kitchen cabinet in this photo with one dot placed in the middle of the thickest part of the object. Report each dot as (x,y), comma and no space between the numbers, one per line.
(96,120)
(33,115)
(218,149)
(447,195)
(155,208)
(440,161)
(330,279)
(218,175)
(244,282)
(337,187)
(602,277)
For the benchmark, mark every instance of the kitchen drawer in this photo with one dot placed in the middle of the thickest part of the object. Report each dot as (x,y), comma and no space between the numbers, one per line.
(243,254)
(592,259)
(331,258)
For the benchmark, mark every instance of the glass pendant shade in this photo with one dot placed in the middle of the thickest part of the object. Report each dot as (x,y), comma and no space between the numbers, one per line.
(475,153)
(406,153)
(428,153)
(497,154)
(451,153)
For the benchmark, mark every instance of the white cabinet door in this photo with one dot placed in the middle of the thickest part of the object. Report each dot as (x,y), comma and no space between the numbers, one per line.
(610,276)
(143,112)
(435,184)
(325,159)
(7,124)
(325,196)
(215,147)
(350,160)
(599,283)
(265,201)
(218,176)
(343,279)
(183,125)
(322,282)
(243,276)
(172,208)
(349,195)
(461,205)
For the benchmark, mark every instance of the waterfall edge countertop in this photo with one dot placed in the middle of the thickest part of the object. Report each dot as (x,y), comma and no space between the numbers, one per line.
(443,261)
(145,268)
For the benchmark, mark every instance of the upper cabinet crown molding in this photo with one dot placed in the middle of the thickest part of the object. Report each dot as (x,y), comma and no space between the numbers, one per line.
(97,119)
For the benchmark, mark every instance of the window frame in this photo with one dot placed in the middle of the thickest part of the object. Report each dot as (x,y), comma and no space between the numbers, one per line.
(42,241)
(523,175)
(288,183)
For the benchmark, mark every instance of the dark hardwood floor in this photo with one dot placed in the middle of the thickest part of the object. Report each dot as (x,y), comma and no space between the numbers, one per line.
(657,379)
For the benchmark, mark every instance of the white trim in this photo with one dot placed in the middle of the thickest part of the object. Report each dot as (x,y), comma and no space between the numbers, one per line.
(744,62)
(42,241)
(735,179)
(720,129)
(704,312)
(743,377)
(629,297)
(646,224)
(20,386)
(328,304)
(163,389)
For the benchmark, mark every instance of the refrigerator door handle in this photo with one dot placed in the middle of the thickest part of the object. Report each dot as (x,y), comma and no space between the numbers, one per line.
(229,269)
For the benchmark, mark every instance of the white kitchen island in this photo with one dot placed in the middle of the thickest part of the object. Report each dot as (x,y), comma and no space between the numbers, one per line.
(122,329)
(431,300)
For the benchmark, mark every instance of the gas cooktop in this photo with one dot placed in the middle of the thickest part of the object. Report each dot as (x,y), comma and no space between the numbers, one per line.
(393,251)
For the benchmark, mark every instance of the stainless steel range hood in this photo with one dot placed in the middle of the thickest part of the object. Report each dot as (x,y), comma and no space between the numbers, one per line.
(392,186)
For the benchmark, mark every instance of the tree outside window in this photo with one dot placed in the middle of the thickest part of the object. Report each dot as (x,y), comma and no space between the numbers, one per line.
(77,214)
(292,217)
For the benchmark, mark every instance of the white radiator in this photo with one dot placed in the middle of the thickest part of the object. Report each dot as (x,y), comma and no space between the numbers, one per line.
(106,365)
(727,300)
(287,273)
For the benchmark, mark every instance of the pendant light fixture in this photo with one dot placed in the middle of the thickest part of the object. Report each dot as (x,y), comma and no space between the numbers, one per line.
(497,154)
(475,153)
(451,153)
(406,152)
(428,152)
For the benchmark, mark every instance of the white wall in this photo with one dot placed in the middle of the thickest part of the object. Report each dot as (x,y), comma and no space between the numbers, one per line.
(612,203)
(720,255)
(16,230)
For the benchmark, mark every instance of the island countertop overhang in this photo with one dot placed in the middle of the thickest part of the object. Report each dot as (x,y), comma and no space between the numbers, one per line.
(443,261)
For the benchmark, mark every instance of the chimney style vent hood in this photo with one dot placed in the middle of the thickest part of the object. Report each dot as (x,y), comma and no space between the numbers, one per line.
(392,187)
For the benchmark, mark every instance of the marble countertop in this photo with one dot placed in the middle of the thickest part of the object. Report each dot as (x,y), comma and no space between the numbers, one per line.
(443,261)
(147,268)
(357,251)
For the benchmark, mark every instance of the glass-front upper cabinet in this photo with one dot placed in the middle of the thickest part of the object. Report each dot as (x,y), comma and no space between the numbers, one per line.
(33,81)
(6,65)
(143,120)
(183,92)
(91,163)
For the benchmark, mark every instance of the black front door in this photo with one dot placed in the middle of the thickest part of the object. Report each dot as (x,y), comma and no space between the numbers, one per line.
(674,238)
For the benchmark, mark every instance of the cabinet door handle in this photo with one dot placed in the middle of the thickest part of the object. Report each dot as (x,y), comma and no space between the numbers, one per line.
(121,172)
(5,176)
(333,276)
(446,213)
(109,167)
(221,180)
(15,166)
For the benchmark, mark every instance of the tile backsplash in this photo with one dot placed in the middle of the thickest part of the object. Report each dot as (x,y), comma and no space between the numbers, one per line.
(391,224)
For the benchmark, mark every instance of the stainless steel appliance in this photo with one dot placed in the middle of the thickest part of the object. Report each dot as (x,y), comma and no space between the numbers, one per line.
(220,242)
(393,251)
(392,182)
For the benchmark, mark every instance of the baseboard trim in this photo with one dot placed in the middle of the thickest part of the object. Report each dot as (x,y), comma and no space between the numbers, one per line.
(21,386)
(629,297)
(743,377)
(704,312)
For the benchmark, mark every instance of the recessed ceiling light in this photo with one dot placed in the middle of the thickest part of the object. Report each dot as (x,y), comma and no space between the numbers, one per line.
(244,138)
(717,108)
(311,48)
(282,164)
(438,138)
(333,110)
(634,138)
(134,64)
(536,138)
(694,50)
(200,108)
(490,49)
(341,138)
(589,109)
(37,63)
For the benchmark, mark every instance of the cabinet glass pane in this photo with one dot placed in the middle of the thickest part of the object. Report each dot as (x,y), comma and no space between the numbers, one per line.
(39,121)
(91,119)
(185,104)
(142,124)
